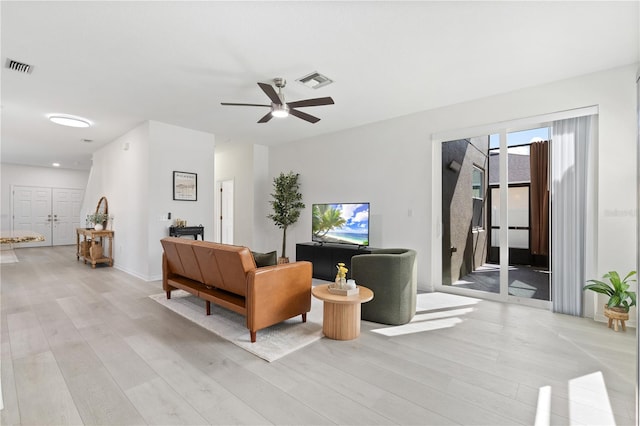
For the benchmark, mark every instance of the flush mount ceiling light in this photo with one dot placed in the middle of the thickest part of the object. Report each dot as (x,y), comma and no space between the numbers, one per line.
(55,164)
(69,120)
(315,80)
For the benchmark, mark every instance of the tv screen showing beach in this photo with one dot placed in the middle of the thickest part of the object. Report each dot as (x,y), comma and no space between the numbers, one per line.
(346,223)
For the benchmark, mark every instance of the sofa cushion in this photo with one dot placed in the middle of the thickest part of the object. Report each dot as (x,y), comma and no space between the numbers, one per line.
(265,259)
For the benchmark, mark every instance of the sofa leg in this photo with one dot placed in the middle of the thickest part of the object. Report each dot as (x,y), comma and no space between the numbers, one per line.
(304,317)
(208,305)
(168,294)
(253,336)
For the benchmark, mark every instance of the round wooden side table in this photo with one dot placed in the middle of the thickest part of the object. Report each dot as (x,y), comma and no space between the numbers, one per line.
(341,314)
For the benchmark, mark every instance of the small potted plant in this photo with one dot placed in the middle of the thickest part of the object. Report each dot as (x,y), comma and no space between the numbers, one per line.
(99,220)
(286,203)
(620,298)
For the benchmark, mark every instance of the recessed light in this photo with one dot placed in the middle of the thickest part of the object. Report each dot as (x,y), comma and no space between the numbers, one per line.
(69,120)
(55,164)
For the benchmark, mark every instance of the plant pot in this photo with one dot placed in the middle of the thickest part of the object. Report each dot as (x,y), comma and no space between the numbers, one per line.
(616,315)
(282,260)
(98,227)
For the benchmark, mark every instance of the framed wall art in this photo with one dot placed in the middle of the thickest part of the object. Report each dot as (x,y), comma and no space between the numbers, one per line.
(185,186)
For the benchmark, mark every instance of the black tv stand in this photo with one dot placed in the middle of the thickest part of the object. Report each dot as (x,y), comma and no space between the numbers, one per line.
(325,257)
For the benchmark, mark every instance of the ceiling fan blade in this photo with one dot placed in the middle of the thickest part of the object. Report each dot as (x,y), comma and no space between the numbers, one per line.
(230,103)
(271,93)
(307,117)
(266,118)
(311,102)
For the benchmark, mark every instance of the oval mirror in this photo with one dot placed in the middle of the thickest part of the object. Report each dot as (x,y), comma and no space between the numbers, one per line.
(103,208)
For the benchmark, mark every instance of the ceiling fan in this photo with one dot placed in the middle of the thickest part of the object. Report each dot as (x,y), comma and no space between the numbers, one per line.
(280,108)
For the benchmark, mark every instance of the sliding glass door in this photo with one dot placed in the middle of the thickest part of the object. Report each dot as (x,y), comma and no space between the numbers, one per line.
(487,220)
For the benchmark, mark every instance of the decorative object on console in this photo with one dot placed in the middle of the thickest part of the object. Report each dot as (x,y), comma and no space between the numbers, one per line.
(185,186)
(100,218)
(286,204)
(179,231)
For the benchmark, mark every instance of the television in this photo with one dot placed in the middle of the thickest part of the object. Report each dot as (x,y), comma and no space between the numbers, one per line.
(341,223)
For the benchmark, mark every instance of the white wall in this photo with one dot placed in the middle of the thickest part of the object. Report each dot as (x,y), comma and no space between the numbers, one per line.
(263,186)
(389,164)
(15,174)
(135,173)
(177,149)
(247,166)
(120,173)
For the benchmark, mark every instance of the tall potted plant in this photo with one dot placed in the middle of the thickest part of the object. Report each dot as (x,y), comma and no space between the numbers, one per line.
(286,204)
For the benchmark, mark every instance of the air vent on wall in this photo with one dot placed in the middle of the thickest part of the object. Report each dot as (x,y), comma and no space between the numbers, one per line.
(19,66)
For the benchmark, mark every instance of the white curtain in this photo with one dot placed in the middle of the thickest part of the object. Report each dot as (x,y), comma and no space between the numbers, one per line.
(570,206)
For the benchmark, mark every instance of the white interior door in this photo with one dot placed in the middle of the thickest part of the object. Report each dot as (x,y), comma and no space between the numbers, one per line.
(52,212)
(66,205)
(32,212)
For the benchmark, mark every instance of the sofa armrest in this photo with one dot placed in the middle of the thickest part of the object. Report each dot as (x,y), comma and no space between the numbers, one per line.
(276,293)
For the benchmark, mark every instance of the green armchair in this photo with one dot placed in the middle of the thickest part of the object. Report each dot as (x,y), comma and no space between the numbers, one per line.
(392,275)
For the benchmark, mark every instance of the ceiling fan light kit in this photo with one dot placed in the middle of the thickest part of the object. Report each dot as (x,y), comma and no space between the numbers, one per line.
(280,108)
(280,111)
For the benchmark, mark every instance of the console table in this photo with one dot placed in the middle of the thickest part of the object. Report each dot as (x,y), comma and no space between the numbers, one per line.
(325,257)
(92,246)
(175,231)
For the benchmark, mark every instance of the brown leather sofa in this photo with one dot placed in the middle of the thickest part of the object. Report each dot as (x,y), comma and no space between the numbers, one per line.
(227,275)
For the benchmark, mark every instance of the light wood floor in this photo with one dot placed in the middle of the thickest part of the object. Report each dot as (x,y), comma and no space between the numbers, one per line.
(88,346)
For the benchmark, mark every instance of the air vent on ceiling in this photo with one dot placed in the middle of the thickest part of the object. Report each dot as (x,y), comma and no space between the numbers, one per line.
(19,66)
(315,80)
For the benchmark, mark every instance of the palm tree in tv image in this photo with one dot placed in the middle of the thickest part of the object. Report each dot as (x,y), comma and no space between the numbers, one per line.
(325,218)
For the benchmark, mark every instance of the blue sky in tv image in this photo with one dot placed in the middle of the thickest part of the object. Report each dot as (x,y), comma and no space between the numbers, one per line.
(353,228)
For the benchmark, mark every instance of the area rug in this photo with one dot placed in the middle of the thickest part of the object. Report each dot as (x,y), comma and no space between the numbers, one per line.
(271,343)
(8,256)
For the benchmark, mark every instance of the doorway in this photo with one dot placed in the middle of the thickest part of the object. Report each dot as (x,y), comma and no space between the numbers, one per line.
(52,212)
(224,212)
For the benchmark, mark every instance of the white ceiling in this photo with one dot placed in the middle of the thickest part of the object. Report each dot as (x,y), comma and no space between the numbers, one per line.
(122,63)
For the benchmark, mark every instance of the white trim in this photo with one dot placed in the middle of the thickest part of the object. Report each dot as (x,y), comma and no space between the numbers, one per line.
(503,128)
(509,126)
